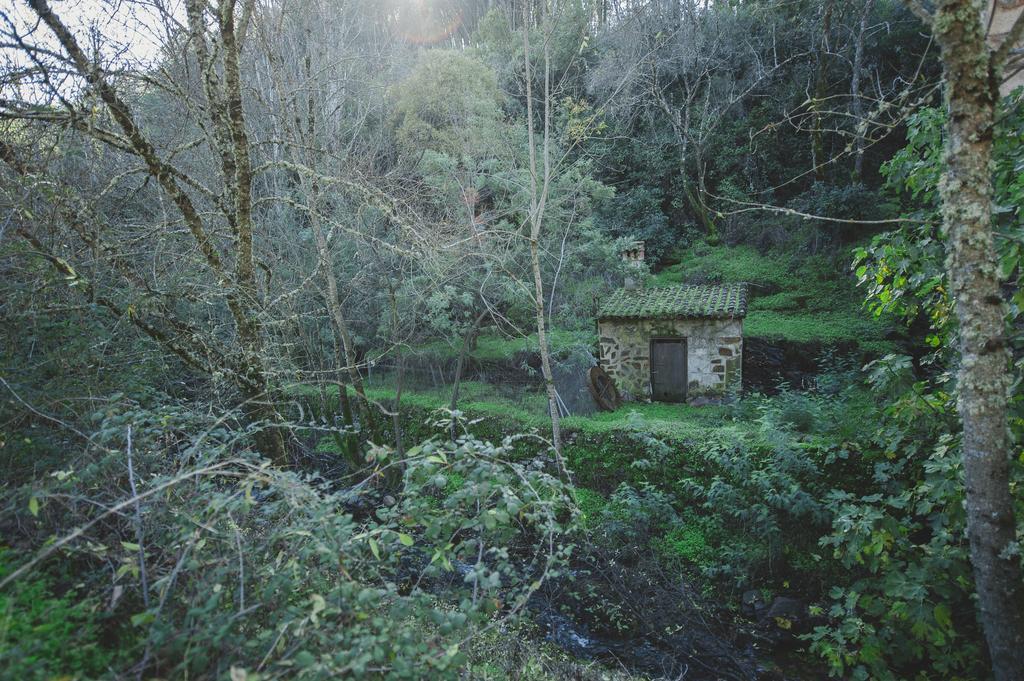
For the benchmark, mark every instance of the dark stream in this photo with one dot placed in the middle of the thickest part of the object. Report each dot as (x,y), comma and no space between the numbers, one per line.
(668,636)
(642,654)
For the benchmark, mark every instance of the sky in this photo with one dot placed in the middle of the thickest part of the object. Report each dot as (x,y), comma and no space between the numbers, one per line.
(132,32)
(132,29)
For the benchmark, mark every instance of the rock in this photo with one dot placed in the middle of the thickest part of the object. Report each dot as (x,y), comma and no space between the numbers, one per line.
(361,504)
(792,609)
(752,604)
(786,619)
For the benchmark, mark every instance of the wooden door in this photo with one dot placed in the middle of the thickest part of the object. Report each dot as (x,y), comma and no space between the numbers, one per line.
(668,369)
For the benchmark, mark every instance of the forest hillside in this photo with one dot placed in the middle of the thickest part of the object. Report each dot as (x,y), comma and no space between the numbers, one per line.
(511,339)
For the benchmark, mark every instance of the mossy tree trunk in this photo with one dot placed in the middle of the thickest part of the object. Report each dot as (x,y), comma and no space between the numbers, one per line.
(246,364)
(972,71)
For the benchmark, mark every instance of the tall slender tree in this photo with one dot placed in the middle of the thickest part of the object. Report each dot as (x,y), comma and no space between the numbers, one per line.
(972,69)
(855,93)
(540,187)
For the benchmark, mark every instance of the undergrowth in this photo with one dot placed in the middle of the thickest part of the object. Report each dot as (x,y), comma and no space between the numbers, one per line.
(793,297)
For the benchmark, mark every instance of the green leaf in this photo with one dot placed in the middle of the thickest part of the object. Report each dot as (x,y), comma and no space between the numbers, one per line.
(405,539)
(33,506)
(319,605)
(1008,263)
(142,618)
(304,659)
(375,548)
(943,616)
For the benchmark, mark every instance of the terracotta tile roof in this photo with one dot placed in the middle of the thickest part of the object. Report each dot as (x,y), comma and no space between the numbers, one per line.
(719,301)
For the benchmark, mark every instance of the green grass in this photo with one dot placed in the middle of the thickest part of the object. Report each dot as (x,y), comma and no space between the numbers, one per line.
(824,327)
(687,541)
(674,421)
(527,410)
(727,264)
(591,504)
(796,299)
(483,400)
(49,631)
(787,300)
(475,399)
(492,347)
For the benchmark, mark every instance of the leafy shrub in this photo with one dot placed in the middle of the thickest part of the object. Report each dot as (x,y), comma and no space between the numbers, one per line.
(631,519)
(903,271)
(797,411)
(642,520)
(766,497)
(907,600)
(227,562)
(44,635)
(838,373)
(912,599)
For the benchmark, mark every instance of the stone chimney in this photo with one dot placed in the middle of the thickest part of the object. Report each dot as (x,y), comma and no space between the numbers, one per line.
(634,254)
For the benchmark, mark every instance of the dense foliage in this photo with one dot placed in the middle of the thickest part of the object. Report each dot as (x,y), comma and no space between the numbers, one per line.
(273,287)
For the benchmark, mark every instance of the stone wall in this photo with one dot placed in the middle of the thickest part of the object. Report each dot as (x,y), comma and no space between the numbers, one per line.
(1006,12)
(714,354)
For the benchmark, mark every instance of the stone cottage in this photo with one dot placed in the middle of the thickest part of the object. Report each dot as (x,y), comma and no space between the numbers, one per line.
(674,343)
